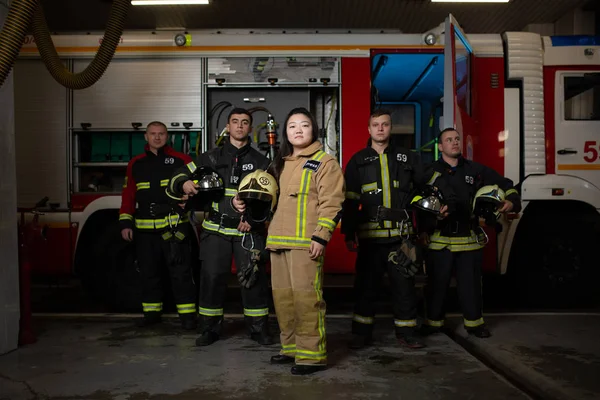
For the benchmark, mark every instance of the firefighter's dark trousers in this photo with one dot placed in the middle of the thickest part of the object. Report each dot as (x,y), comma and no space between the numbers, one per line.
(468,280)
(153,253)
(371,265)
(216,253)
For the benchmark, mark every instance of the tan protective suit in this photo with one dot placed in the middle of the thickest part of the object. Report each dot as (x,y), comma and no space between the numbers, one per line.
(309,208)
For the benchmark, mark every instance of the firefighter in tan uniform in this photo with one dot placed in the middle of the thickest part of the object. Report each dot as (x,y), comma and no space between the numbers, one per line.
(312,189)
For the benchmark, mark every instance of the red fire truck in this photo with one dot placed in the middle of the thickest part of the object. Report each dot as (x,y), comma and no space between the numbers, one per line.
(528,106)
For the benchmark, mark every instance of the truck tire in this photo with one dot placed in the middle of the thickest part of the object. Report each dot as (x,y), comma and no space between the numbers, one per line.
(553,263)
(112,275)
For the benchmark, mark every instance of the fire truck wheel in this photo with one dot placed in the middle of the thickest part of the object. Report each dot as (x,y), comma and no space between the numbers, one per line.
(112,276)
(554,262)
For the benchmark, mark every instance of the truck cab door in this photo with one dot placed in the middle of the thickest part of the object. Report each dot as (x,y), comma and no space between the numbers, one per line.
(458,54)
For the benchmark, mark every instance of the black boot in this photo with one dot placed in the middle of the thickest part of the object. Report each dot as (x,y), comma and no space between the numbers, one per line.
(282,359)
(479,331)
(306,369)
(427,330)
(207,339)
(149,319)
(188,321)
(407,337)
(262,338)
(359,341)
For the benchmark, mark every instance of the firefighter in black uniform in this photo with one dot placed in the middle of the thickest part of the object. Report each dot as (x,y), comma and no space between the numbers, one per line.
(225,234)
(458,240)
(381,175)
(162,229)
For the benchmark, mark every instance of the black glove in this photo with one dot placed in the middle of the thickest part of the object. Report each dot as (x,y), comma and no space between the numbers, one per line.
(248,274)
(404,259)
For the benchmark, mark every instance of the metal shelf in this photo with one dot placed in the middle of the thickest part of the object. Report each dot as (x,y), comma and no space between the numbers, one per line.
(99,164)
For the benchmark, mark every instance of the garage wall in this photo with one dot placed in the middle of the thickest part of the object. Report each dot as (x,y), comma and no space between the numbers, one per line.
(9,271)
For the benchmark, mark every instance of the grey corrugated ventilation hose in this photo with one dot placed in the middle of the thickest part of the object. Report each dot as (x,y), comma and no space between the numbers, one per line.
(20,16)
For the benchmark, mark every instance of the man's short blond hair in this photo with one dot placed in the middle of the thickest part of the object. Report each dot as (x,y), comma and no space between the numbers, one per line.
(157,123)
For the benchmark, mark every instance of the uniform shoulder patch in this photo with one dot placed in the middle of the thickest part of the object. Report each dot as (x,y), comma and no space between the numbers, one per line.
(313,165)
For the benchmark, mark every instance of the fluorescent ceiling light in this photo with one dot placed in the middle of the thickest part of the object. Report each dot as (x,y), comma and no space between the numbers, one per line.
(470,1)
(167,2)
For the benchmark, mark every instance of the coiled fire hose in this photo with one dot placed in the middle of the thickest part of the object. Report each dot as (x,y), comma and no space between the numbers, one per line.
(21,15)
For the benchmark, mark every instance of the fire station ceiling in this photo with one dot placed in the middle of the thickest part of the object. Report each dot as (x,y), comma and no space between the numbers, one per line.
(409,16)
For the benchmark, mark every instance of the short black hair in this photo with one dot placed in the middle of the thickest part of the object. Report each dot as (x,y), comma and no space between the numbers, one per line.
(239,110)
(439,138)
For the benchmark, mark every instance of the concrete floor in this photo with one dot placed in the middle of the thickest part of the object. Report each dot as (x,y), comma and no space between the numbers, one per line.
(113,360)
(552,356)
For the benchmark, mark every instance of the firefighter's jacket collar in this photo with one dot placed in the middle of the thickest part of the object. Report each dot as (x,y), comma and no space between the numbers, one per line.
(306,152)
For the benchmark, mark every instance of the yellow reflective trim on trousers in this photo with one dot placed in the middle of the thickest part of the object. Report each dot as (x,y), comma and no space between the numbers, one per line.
(433,178)
(511,191)
(125,217)
(401,323)
(164,182)
(192,167)
(363,320)
(303,196)
(327,223)
(209,226)
(352,196)
(454,244)
(186,308)
(210,312)
(159,223)
(436,324)
(230,192)
(368,187)
(310,355)
(288,240)
(321,314)
(385,183)
(473,324)
(125,182)
(151,307)
(378,233)
(142,185)
(259,312)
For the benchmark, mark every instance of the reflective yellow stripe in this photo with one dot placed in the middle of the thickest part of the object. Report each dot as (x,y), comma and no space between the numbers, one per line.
(125,182)
(186,308)
(289,349)
(511,191)
(143,185)
(164,182)
(395,184)
(352,196)
(288,240)
(209,226)
(230,192)
(401,323)
(434,323)
(125,217)
(368,187)
(321,320)
(147,307)
(161,222)
(433,178)
(173,181)
(385,182)
(327,223)
(306,355)
(210,312)
(468,243)
(303,196)
(192,167)
(259,312)
(363,320)
(473,324)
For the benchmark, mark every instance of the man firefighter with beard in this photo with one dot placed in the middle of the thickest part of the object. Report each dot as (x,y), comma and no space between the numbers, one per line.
(458,240)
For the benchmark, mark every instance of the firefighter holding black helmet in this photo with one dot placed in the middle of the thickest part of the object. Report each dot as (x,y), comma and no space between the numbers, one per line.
(226,233)
(458,240)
